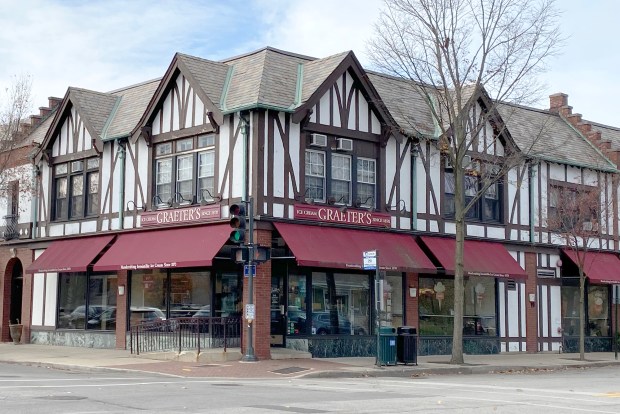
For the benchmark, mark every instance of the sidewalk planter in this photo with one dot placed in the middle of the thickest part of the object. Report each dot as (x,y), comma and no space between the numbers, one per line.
(16,332)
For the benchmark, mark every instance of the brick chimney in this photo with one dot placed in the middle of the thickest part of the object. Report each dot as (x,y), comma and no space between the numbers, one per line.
(54,102)
(558,103)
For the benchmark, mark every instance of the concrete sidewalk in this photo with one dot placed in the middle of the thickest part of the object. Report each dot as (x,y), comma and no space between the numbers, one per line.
(89,359)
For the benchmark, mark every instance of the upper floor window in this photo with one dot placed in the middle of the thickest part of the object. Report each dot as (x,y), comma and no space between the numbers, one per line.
(185,171)
(487,208)
(76,189)
(573,209)
(342,178)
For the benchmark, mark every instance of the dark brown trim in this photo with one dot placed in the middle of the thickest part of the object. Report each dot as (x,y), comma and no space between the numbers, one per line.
(270,159)
(258,160)
(72,157)
(342,132)
(181,133)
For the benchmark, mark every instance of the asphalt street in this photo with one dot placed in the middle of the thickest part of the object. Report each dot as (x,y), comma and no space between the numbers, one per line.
(26,389)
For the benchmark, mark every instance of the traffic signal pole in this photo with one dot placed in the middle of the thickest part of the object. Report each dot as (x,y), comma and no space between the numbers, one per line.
(250,356)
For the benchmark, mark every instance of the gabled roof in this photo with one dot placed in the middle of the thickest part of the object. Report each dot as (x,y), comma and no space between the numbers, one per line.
(266,78)
(545,135)
(608,133)
(132,101)
(317,71)
(95,108)
(406,104)
(210,76)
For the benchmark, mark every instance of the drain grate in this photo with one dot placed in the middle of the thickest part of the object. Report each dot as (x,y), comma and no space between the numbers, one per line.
(289,370)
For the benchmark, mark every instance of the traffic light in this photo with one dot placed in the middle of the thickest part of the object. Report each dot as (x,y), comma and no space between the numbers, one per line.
(237,222)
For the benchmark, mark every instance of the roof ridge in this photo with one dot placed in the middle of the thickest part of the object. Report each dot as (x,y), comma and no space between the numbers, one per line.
(75,88)
(135,85)
(269,49)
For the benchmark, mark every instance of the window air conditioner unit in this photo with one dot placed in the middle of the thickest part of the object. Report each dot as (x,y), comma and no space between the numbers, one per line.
(344,144)
(318,140)
(545,273)
(588,226)
(467,162)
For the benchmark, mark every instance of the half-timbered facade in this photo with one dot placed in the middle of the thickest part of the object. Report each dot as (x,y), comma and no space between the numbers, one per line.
(131,216)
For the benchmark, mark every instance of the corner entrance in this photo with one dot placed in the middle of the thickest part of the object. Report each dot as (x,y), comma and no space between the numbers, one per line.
(17,287)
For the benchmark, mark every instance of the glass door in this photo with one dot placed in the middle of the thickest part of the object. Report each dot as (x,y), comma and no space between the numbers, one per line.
(278,315)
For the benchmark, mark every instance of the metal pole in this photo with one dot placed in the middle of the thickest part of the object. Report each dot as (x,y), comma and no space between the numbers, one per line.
(377,310)
(250,356)
(616,339)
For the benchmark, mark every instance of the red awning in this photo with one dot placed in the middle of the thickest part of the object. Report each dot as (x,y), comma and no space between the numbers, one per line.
(158,249)
(74,255)
(343,248)
(598,267)
(479,258)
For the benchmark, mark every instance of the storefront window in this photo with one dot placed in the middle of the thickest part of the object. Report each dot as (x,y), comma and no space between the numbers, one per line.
(157,294)
(297,308)
(598,310)
(393,300)
(570,310)
(190,294)
(436,299)
(86,301)
(228,295)
(340,304)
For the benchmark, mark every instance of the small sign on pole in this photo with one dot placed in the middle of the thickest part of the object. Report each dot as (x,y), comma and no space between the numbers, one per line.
(370,260)
(250,312)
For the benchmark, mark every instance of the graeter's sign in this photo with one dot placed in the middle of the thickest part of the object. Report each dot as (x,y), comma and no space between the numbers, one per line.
(188,215)
(334,215)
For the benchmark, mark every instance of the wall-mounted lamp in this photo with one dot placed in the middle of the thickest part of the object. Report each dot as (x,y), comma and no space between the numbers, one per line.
(332,200)
(532,297)
(210,200)
(304,197)
(158,202)
(359,203)
(413,292)
(559,263)
(121,290)
(135,207)
(401,206)
(180,200)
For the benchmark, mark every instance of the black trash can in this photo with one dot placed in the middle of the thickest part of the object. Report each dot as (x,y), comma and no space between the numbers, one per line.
(407,345)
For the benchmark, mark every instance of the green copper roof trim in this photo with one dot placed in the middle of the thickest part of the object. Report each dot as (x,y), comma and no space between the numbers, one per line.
(257,106)
(108,122)
(298,88)
(226,87)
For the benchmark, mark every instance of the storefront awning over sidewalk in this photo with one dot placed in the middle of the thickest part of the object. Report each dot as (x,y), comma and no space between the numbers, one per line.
(159,249)
(74,255)
(343,248)
(479,258)
(598,267)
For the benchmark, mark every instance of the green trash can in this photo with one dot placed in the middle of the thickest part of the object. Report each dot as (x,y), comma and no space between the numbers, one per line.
(387,346)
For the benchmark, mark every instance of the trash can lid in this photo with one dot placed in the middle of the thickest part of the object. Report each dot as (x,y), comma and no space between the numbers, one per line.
(406,330)
(386,330)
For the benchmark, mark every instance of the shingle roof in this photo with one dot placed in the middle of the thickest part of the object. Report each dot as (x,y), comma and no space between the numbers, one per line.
(405,102)
(545,135)
(210,75)
(131,105)
(266,78)
(316,71)
(608,133)
(95,107)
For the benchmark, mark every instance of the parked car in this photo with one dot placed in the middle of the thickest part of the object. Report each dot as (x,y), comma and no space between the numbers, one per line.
(106,320)
(322,325)
(78,317)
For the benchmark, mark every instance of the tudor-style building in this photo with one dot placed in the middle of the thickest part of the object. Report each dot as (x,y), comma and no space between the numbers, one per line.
(134,186)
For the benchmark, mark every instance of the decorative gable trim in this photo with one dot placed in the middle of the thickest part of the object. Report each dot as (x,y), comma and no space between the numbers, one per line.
(176,68)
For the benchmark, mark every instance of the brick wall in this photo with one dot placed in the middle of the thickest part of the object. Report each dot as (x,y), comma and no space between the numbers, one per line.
(121,311)
(262,295)
(531,312)
(8,258)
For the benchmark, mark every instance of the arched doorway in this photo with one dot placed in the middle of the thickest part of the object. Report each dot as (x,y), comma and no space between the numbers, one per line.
(17,287)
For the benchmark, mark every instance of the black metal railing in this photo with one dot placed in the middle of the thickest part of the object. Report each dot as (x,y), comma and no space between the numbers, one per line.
(186,334)
(10,227)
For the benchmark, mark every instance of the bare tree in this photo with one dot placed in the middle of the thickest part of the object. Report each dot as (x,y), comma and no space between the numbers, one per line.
(462,55)
(15,105)
(574,215)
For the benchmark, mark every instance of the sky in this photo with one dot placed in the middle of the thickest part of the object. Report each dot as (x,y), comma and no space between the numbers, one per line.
(105,45)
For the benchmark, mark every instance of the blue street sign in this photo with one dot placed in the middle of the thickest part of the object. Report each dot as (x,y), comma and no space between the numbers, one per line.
(247,269)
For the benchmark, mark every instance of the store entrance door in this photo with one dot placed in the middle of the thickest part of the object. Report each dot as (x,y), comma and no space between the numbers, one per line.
(278,314)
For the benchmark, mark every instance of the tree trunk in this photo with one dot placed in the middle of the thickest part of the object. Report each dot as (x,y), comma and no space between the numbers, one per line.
(582,315)
(459,289)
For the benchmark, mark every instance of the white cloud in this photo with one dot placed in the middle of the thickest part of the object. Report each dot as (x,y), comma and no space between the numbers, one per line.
(103,45)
